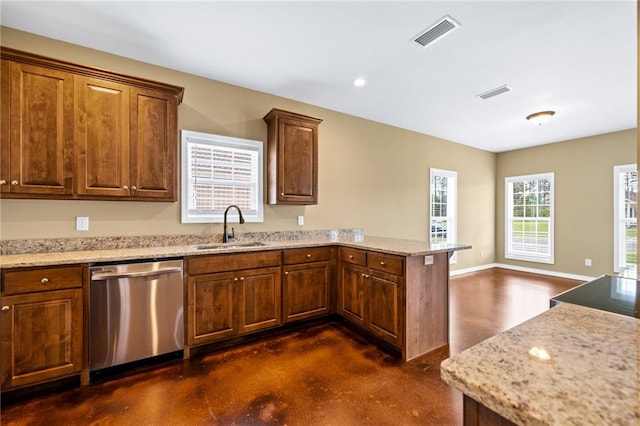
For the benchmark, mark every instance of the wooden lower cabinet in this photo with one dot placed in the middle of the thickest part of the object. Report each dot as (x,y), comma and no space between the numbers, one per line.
(369,297)
(42,332)
(306,283)
(235,302)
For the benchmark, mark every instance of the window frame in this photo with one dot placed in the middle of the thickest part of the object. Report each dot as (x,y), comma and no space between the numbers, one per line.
(217,216)
(452,207)
(618,207)
(509,252)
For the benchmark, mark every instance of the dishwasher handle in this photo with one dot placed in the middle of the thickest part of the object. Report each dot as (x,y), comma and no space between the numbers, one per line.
(99,276)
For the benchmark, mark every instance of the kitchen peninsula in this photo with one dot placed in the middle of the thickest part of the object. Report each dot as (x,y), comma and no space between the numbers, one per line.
(395,291)
(591,377)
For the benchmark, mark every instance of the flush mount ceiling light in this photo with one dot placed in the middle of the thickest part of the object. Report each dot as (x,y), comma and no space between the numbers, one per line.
(541,117)
(359,82)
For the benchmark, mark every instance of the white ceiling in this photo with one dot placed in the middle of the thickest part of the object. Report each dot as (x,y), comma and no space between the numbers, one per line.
(577,58)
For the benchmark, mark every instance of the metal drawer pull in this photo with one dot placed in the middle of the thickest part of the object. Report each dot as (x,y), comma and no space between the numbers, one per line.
(235,279)
(286,273)
(5,308)
(133,188)
(14,182)
(382,263)
(125,187)
(3,182)
(308,256)
(350,256)
(241,278)
(45,280)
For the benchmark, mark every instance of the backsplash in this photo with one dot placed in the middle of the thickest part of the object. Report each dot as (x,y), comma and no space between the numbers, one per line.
(105,243)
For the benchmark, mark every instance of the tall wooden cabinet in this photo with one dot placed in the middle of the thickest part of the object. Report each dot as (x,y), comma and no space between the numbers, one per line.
(292,158)
(37,134)
(42,323)
(79,132)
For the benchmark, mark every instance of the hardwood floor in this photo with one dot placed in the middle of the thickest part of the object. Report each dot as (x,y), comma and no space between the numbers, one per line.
(322,375)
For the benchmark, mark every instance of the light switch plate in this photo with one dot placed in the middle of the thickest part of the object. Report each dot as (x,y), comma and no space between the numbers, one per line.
(82,223)
(300,220)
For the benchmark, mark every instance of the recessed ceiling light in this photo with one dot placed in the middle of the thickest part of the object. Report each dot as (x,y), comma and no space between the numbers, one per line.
(359,82)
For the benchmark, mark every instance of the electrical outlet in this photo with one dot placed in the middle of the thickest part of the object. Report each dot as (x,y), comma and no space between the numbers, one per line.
(300,220)
(587,262)
(82,223)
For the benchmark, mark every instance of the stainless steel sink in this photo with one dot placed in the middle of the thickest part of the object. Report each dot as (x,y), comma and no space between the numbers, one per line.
(229,245)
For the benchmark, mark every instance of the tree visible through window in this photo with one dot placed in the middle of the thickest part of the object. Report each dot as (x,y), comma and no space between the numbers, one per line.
(626,219)
(529,218)
(443,215)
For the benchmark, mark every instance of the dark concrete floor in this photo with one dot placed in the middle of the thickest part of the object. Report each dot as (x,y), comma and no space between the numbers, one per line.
(322,375)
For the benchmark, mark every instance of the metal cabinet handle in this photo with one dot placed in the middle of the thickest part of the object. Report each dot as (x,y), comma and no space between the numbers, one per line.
(308,256)
(350,256)
(125,187)
(382,263)
(45,280)
(5,308)
(133,188)
(241,278)
(282,194)
(3,182)
(235,279)
(14,182)
(286,273)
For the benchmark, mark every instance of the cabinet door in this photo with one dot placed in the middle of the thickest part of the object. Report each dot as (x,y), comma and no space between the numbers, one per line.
(306,291)
(102,137)
(211,304)
(41,141)
(5,126)
(260,298)
(41,337)
(153,144)
(383,315)
(351,294)
(297,162)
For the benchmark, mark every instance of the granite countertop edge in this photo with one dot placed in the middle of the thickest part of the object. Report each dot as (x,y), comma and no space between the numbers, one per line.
(387,245)
(591,379)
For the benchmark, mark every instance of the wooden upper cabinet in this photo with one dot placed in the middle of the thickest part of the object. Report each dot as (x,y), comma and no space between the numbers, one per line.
(102,137)
(38,149)
(153,144)
(5,126)
(292,158)
(84,133)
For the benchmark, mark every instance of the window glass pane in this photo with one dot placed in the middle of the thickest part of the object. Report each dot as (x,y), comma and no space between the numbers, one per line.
(529,209)
(442,224)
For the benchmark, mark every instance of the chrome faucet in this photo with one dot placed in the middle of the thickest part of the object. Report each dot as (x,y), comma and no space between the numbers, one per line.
(228,237)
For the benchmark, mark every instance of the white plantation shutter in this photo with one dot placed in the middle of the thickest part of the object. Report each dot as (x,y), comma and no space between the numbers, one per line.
(219,171)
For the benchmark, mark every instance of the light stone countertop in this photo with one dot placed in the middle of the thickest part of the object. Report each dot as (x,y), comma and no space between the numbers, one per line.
(592,378)
(387,245)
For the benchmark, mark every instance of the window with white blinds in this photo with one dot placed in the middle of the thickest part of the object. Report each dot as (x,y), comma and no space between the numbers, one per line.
(218,171)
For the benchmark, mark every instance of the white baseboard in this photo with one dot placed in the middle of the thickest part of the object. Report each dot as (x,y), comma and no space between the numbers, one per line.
(522,269)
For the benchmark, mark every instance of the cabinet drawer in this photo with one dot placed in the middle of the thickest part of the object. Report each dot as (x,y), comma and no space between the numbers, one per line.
(305,255)
(357,257)
(385,263)
(41,279)
(232,262)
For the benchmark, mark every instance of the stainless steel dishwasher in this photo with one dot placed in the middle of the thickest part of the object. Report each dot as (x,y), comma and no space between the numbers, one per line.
(135,312)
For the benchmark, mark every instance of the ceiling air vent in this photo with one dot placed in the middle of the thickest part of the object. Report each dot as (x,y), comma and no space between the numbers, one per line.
(436,31)
(495,92)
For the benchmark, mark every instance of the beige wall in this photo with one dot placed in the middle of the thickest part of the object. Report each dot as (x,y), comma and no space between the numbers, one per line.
(583,197)
(370,175)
